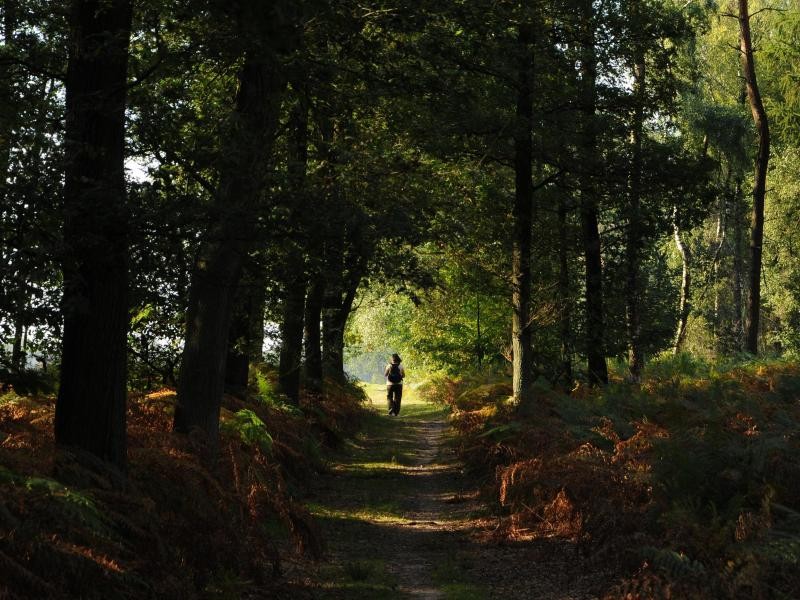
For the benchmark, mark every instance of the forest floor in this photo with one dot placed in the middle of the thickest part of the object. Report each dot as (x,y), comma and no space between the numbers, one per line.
(402,520)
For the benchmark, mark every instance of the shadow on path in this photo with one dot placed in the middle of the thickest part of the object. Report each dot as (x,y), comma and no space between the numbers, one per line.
(399,519)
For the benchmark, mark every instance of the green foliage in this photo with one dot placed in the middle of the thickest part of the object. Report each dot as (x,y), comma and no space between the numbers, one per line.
(31,381)
(76,508)
(250,429)
(266,389)
(500,433)
(780,57)
(674,564)
(452,327)
(668,366)
(483,395)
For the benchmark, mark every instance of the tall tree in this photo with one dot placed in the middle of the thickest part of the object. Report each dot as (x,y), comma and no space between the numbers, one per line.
(7,103)
(312,340)
(90,410)
(595,325)
(333,245)
(564,295)
(635,232)
(684,304)
(759,177)
(522,214)
(294,279)
(246,332)
(245,156)
(8,110)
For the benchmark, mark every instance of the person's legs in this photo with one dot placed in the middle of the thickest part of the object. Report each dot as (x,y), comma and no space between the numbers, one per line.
(389,401)
(393,395)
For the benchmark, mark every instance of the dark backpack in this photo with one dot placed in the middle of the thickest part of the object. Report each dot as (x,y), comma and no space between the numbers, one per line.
(394,373)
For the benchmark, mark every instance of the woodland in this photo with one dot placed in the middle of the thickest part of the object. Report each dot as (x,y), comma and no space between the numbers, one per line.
(577,221)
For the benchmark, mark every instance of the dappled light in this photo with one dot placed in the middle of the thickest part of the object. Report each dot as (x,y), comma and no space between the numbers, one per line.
(458,300)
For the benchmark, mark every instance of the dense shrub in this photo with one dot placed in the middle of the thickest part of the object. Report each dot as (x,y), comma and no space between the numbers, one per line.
(688,485)
(181,527)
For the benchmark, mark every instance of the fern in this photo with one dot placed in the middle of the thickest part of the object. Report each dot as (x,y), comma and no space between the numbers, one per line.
(71,506)
(502,432)
(676,565)
(250,429)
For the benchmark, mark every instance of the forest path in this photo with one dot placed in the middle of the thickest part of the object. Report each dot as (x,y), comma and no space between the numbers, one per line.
(399,519)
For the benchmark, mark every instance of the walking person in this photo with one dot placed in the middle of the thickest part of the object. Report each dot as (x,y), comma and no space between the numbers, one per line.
(394,373)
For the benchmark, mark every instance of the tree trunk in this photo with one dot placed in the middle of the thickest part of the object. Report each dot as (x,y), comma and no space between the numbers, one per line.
(684,306)
(294,285)
(334,320)
(522,215)
(595,326)
(633,288)
(338,308)
(292,338)
(479,350)
(312,342)
(245,157)
(7,100)
(564,296)
(237,361)
(355,273)
(719,242)
(8,109)
(332,333)
(246,334)
(760,178)
(18,347)
(333,260)
(738,269)
(90,409)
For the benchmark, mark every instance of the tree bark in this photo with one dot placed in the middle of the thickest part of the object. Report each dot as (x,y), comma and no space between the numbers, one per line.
(8,110)
(684,306)
(479,350)
(738,269)
(332,331)
(355,272)
(522,216)
(334,319)
(7,99)
(290,363)
(339,305)
(719,242)
(18,346)
(333,260)
(312,342)
(246,334)
(595,325)
(294,284)
(633,288)
(218,268)
(9,105)
(760,178)
(564,296)
(90,409)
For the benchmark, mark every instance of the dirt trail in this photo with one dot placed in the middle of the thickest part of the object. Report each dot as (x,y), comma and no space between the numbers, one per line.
(400,521)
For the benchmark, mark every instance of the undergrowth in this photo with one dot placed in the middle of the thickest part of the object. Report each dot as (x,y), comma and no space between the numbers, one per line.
(688,484)
(181,527)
